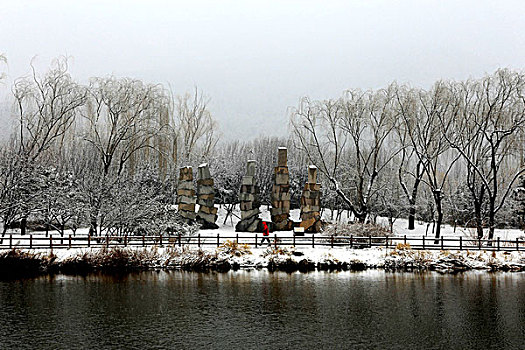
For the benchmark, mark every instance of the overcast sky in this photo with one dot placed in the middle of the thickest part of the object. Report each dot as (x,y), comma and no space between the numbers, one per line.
(257,58)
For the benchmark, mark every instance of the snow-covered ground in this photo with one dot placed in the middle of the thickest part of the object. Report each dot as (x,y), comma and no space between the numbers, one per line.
(227,231)
(377,257)
(291,259)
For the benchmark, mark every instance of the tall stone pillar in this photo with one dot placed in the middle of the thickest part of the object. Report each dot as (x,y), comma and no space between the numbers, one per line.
(281,195)
(311,203)
(207,214)
(250,202)
(186,194)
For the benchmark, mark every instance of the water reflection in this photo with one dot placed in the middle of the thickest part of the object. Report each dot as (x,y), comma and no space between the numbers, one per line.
(257,309)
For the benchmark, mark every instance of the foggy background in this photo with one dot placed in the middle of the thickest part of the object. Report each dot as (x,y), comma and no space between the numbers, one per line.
(255,59)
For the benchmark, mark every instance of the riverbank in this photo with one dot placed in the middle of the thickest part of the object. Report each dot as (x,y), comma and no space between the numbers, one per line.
(232,256)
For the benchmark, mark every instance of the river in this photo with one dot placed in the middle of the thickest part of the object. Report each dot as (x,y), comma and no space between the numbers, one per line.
(262,310)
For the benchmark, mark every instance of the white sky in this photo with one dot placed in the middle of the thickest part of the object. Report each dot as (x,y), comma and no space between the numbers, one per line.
(257,58)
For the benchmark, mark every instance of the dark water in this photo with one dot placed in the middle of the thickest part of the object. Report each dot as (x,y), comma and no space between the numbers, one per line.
(261,310)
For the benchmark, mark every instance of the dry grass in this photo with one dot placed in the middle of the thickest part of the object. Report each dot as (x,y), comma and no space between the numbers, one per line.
(234,249)
(401,246)
(17,263)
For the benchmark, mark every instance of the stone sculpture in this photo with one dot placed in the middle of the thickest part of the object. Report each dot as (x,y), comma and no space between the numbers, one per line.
(281,195)
(311,203)
(249,198)
(207,214)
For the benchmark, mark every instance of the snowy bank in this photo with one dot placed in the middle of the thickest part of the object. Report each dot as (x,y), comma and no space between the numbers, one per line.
(20,263)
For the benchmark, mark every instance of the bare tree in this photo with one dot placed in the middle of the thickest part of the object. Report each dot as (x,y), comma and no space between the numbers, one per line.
(46,108)
(193,128)
(346,139)
(492,114)
(122,119)
(410,168)
(427,124)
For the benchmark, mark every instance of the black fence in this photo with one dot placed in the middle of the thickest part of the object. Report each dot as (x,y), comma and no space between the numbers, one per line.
(308,240)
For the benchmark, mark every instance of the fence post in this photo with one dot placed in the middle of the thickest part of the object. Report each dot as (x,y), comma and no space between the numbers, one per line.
(143,241)
(498,244)
(125,240)
(275,240)
(293,239)
(517,245)
(10,241)
(107,241)
(351,241)
(30,241)
(51,242)
(217,240)
(423,242)
(370,241)
(313,241)
(237,238)
(256,240)
(479,243)
(441,242)
(89,240)
(332,242)
(69,241)
(460,242)
(180,240)
(160,240)
(386,242)
(405,240)
(199,241)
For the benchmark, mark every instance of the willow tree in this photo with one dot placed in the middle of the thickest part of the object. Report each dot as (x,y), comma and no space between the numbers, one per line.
(122,119)
(487,129)
(427,117)
(350,141)
(193,129)
(46,108)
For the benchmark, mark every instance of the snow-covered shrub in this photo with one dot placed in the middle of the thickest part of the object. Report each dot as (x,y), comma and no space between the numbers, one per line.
(356,230)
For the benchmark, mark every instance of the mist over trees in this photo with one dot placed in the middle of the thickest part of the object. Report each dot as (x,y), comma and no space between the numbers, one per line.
(105,154)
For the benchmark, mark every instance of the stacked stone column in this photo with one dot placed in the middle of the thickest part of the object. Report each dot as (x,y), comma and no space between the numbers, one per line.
(186,194)
(281,195)
(311,203)
(249,198)
(207,214)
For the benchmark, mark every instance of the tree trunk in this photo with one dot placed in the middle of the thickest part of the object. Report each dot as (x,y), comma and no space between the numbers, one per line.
(412,218)
(412,202)
(4,230)
(23,226)
(479,220)
(93,226)
(492,217)
(439,210)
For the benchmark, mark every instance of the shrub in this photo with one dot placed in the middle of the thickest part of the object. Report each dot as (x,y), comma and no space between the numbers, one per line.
(356,230)
(234,249)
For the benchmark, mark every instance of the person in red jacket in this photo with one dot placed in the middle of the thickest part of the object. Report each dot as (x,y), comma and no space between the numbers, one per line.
(266,233)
